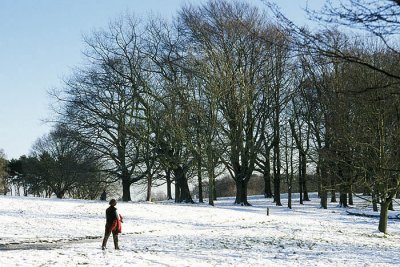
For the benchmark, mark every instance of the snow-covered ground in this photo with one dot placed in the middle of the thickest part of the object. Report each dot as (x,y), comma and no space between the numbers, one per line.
(52,232)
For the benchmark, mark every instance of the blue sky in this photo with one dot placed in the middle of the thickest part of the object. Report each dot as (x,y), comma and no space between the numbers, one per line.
(41,41)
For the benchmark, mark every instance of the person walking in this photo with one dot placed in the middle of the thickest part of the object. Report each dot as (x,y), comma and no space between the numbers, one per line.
(113,224)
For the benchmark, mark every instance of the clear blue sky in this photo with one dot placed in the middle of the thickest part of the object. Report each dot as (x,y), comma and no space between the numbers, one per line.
(41,41)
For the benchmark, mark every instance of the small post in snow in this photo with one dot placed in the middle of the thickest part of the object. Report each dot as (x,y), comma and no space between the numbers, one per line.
(267,211)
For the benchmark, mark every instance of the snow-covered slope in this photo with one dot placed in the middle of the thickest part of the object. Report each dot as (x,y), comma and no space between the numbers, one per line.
(52,232)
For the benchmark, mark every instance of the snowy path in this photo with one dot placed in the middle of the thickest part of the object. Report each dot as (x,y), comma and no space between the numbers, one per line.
(47,244)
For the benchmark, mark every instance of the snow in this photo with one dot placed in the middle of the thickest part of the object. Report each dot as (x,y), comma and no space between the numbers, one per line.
(53,232)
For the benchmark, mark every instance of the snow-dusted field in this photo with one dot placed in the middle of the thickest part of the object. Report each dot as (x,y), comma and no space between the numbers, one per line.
(51,232)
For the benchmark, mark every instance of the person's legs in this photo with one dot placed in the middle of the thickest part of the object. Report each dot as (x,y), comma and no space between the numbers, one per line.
(115,237)
(106,236)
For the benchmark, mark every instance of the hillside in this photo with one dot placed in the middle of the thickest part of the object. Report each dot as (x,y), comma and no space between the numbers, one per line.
(52,232)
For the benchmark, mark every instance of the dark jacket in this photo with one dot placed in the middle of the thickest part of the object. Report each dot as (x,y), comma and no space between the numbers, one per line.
(111,214)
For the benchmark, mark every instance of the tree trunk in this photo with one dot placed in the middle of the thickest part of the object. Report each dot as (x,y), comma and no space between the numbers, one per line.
(211,175)
(374,201)
(306,196)
(305,191)
(323,192)
(267,186)
(351,202)
(333,191)
(290,190)
(301,178)
(277,168)
(185,192)
(324,199)
(200,182)
(319,180)
(343,199)
(215,189)
(211,186)
(169,182)
(126,189)
(182,192)
(289,176)
(304,176)
(177,192)
(60,194)
(267,177)
(383,217)
(391,205)
(241,192)
(149,183)
(277,189)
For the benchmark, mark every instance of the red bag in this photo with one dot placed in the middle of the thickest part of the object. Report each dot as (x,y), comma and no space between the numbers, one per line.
(117,225)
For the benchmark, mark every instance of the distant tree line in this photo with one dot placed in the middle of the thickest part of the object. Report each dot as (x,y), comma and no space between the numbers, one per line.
(226,89)
(59,164)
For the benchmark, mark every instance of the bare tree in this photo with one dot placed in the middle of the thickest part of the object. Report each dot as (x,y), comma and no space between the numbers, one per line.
(315,83)
(228,35)
(173,88)
(105,103)
(282,87)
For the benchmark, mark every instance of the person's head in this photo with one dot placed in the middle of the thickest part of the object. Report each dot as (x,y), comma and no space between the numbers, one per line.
(112,202)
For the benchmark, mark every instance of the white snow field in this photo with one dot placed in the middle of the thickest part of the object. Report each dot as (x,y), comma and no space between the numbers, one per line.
(53,232)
